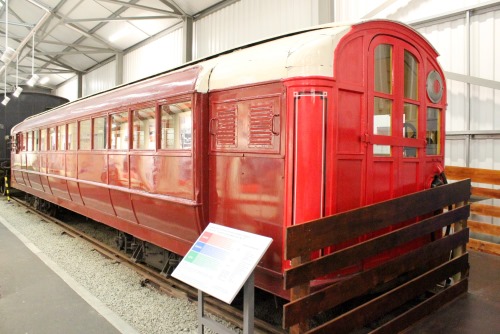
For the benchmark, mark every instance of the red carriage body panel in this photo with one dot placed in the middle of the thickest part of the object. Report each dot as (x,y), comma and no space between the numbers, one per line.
(282,132)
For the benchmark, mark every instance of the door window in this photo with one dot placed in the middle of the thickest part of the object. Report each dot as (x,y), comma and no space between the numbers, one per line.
(395,99)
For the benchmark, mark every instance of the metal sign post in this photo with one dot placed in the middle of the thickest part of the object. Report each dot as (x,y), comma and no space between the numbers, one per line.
(248,311)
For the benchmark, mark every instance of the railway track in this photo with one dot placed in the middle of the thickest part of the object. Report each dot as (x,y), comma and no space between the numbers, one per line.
(167,285)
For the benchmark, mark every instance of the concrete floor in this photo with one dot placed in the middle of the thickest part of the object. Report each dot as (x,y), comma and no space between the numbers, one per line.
(35,300)
(476,312)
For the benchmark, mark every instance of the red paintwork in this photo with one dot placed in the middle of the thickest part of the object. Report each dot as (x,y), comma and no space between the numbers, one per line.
(315,158)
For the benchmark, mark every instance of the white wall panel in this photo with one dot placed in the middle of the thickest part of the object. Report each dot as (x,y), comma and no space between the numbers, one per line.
(155,57)
(246,21)
(456,111)
(485,153)
(69,89)
(485,44)
(350,10)
(419,9)
(456,152)
(99,79)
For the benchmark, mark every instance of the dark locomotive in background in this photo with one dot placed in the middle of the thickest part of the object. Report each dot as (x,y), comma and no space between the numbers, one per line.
(274,134)
(29,103)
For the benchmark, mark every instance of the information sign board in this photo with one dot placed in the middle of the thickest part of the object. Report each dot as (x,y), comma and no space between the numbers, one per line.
(221,260)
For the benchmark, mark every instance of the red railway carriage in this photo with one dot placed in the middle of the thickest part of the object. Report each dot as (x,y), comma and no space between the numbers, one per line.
(270,135)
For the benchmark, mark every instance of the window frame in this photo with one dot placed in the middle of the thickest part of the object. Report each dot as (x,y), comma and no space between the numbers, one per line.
(58,137)
(128,140)
(159,136)
(132,133)
(80,134)
(93,133)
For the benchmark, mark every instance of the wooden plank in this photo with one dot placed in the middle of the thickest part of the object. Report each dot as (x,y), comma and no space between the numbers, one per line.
(375,308)
(298,292)
(480,175)
(484,246)
(361,283)
(303,238)
(485,228)
(356,253)
(423,309)
(485,210)
(485,192)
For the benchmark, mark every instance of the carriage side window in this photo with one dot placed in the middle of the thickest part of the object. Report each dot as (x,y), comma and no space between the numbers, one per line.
(36,141)
(61,137)
(100,132)
(43,140)
(119,131)
(144,125)
(176,126)
(433,134)
(84,142)
(72,136)
(52,139)
(29,141)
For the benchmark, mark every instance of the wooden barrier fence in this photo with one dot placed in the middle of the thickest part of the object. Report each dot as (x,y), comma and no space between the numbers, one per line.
(360,300)
(485,234)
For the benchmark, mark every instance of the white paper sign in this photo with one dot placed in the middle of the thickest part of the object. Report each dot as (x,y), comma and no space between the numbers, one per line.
(221,260)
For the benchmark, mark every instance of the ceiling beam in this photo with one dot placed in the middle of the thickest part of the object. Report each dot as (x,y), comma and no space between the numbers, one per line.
(88,34)
(150,9)
(130,18)
(19,24)
(172,5)
(72,45)
(74,52)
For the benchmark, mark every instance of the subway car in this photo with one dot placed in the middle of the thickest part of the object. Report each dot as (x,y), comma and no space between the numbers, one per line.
(259,138)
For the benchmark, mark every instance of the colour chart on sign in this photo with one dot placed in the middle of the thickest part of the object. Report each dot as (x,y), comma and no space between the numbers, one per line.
(221,260)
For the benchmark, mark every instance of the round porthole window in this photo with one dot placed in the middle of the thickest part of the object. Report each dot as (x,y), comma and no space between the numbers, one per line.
(434,86)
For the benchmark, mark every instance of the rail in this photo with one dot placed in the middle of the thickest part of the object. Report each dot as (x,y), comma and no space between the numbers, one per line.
(484,222)
(420,263)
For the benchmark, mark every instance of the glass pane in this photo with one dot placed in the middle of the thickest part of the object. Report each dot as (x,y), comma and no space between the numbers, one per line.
(433,134)
(85,135)
(411,76)
(144,129)
(43,140)
(410,128)
(36,143)
(119,131)
(100,133)
(61,137)
(382,117)
(410,121)
(52,139)
(29,141)
(382,150)
(383,68)
(72,136)
(176,126)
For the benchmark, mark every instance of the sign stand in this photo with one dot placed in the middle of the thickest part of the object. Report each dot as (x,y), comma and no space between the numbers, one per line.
(248,311)
(221,262)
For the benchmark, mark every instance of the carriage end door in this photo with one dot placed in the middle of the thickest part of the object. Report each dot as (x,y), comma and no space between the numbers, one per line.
(395,124)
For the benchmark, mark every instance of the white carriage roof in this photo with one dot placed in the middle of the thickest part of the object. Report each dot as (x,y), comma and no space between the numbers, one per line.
(300,54)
